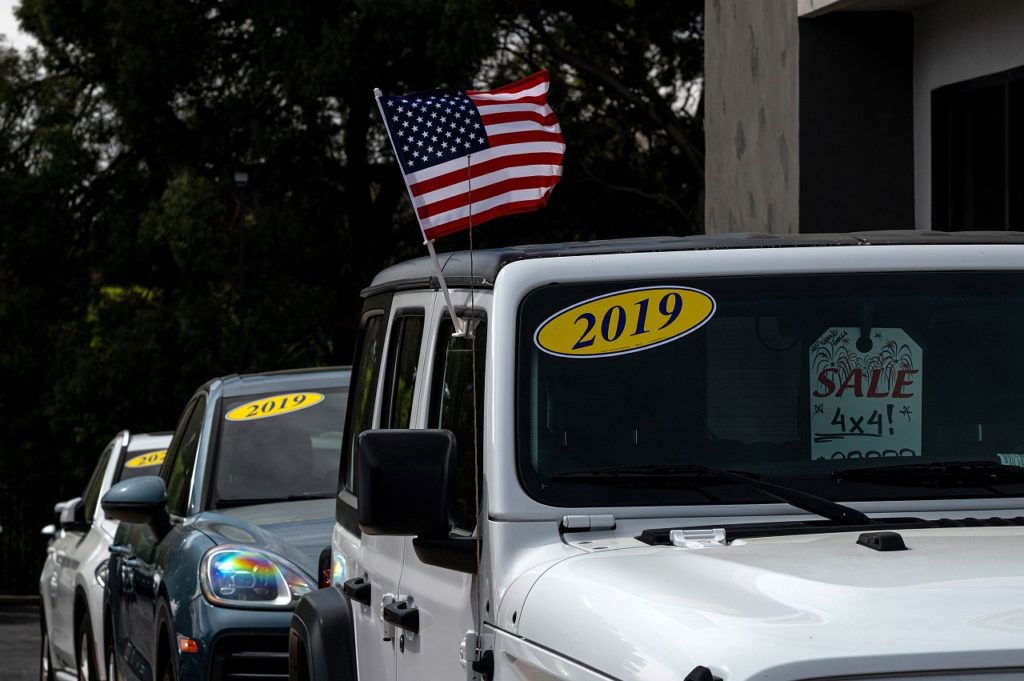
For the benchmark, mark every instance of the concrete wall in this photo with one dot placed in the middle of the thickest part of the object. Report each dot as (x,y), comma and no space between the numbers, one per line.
(957,40)
(751,116)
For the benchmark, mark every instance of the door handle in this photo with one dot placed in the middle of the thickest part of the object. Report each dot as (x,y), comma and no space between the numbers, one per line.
(357,589)
(402,615)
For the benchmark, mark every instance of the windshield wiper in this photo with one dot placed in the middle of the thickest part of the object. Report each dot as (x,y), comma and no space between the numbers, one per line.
(937,474)
(696,476)
(231,503)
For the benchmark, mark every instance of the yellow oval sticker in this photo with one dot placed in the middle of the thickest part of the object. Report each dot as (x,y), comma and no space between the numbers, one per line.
(274,406)
(148,459)
(625,321)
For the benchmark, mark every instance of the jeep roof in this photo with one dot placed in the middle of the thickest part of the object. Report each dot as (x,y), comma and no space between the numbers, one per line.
(419,272)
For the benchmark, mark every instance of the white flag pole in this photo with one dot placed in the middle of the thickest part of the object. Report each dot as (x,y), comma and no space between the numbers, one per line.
(459,324)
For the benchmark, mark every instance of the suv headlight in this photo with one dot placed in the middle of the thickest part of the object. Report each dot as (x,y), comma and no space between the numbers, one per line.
(244,577)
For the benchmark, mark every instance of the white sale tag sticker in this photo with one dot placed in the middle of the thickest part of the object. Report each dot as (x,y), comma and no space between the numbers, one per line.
(865,398)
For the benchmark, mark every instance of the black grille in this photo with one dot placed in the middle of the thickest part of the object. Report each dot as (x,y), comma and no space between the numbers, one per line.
(250,657)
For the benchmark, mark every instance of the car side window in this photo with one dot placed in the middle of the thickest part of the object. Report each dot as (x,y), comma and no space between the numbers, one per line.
(400,377)
(92,491)
(452,407)
(363,393)
(177,471)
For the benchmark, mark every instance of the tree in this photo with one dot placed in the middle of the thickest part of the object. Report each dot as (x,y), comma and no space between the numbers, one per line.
(120,138)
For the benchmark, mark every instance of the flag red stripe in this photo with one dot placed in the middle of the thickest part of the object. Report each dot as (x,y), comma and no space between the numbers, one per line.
(526,136)
(486,192)
(481,169)
(484,103)
(517,116)
(479,218)
(521,84)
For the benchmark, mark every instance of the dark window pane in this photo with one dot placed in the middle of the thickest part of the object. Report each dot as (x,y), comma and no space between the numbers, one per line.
(182,456)
(365,373)
(92,490)
(403,358)
(978,153)
(978,161)
(1015,150)
(452,407)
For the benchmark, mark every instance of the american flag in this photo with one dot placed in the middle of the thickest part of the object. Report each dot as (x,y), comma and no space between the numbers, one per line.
(472,156)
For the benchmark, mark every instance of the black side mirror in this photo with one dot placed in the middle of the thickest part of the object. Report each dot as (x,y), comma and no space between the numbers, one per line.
(407,487)
(72,515)
(139,500)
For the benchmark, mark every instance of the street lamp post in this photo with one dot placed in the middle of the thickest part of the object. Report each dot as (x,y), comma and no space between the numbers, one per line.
(241,182)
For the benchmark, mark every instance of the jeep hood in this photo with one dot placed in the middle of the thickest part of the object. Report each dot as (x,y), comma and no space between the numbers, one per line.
(788,607)
(296,530)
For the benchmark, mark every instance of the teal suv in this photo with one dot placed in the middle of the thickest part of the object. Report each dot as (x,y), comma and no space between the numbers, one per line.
(212,554)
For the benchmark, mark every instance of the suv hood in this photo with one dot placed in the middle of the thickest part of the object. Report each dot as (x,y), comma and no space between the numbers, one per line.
(788,607)
(296,530)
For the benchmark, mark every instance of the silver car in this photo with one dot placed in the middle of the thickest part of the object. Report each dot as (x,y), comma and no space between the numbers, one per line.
(71,586)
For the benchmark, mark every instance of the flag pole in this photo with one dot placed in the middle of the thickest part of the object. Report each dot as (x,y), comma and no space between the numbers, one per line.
(459,324)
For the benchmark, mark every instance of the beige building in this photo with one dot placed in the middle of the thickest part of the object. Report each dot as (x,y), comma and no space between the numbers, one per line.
(841,115)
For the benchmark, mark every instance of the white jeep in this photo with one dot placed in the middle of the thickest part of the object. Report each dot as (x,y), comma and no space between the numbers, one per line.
(718,457)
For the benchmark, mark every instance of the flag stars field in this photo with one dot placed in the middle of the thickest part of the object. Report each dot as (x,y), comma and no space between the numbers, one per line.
(472,156)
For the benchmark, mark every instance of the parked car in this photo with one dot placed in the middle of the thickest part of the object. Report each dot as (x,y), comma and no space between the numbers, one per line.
(216,550)
(74,574)
(726,457)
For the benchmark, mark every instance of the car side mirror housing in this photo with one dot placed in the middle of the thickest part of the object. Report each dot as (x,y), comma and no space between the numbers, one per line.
(139,500)
(407,487)
(72,515)
(406,482)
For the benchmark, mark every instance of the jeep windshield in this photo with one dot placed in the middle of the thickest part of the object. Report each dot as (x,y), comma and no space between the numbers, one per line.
(798,380)
(281,446)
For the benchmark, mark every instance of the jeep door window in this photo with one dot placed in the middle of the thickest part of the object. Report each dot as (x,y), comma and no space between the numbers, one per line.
(278,446)
(400,379)
(365,374)
(819,382)
(181,458)
(458,367)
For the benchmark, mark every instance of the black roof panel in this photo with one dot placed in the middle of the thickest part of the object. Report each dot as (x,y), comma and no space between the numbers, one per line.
(486,264)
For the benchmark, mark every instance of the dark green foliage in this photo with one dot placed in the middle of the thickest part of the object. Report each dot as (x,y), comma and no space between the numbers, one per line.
(119,214)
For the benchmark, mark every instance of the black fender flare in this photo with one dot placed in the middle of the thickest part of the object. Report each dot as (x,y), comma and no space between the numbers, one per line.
(323,627)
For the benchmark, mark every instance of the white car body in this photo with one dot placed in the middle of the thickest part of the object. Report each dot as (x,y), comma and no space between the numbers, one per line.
(573,593)
(68,584)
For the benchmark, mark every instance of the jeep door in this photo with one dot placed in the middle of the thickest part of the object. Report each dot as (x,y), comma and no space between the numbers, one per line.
(445,598)
(383,389)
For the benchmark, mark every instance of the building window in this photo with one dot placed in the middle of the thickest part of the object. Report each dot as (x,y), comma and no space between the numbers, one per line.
(978,153)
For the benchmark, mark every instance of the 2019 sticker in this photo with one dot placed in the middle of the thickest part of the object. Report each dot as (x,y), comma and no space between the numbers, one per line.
(275,405)
(625,321)
(147,459)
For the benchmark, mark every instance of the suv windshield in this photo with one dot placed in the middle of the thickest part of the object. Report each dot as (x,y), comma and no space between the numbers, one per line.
(278,447)
(798,380)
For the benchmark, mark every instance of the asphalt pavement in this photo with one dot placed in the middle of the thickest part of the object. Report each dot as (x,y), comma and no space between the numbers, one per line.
(19,641)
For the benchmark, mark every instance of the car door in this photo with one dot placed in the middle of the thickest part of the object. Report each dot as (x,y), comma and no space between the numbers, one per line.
(142,568)
(67,556)
(383,386)
(445,598)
